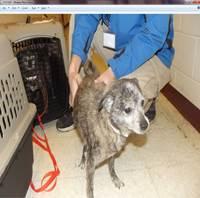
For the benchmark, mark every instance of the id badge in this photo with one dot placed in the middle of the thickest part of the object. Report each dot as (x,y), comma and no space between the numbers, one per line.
(109,40)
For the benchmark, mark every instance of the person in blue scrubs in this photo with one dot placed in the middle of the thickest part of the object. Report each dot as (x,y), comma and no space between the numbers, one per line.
(133,45)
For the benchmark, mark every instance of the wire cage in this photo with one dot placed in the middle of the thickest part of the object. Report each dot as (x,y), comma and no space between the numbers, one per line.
(16,116)
(43,72)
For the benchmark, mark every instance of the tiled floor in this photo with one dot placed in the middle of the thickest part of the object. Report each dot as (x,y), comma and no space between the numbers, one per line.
(163,164)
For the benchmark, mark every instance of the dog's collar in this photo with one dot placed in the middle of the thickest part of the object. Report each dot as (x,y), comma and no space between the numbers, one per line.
(117,131)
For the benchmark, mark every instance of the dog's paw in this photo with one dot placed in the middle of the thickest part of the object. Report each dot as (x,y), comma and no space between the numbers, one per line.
(118,183)
(81,165)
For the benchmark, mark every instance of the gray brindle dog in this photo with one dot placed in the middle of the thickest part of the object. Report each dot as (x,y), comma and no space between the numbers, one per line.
(105,116)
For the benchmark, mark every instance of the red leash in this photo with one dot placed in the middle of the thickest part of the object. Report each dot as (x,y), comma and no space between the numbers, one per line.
(51,176)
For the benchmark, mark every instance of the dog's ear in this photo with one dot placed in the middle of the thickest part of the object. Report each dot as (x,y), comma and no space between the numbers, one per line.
(135,80)
(106,102)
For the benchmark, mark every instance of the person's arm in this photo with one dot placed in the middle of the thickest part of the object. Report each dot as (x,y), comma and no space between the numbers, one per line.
(84,29)
(143,46)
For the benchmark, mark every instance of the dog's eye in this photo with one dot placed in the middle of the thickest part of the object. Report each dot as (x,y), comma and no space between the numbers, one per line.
(142,103)
(127,110)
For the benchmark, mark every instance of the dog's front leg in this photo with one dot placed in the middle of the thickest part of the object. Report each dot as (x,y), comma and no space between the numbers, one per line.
(90,169)
(118,183)
(83,158)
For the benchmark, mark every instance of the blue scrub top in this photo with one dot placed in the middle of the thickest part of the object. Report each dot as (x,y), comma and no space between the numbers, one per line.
(138,38)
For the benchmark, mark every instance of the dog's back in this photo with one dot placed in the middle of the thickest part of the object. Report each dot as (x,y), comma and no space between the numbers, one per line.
(90,123)
(85,106)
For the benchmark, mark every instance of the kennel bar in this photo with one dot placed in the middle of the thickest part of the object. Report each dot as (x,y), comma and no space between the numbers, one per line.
(16,117)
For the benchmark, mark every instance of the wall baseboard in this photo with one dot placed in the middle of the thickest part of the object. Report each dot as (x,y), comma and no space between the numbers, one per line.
(190,112)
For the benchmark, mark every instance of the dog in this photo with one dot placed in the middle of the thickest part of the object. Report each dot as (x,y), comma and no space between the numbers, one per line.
(104,117)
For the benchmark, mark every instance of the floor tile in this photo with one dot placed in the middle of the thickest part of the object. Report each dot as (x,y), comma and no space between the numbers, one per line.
(179,181)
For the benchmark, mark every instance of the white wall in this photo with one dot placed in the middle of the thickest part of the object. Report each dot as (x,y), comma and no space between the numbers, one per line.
(186,64)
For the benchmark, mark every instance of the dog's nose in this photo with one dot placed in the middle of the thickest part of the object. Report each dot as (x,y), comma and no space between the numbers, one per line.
(143,125)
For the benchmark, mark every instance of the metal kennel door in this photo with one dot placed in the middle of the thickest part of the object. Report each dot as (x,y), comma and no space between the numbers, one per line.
(43,72)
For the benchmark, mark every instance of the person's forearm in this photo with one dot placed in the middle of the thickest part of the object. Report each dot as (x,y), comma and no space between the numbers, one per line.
(74,65)
(74,77)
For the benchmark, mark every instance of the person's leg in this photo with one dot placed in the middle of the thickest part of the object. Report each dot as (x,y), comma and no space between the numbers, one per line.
(152,76)
(65,122)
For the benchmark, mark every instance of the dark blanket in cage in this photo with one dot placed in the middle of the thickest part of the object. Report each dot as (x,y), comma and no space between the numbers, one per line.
(43,73)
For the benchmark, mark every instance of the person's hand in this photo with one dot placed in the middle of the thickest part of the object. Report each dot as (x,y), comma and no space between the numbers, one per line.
(106,77)
(74,82)
(74,78)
